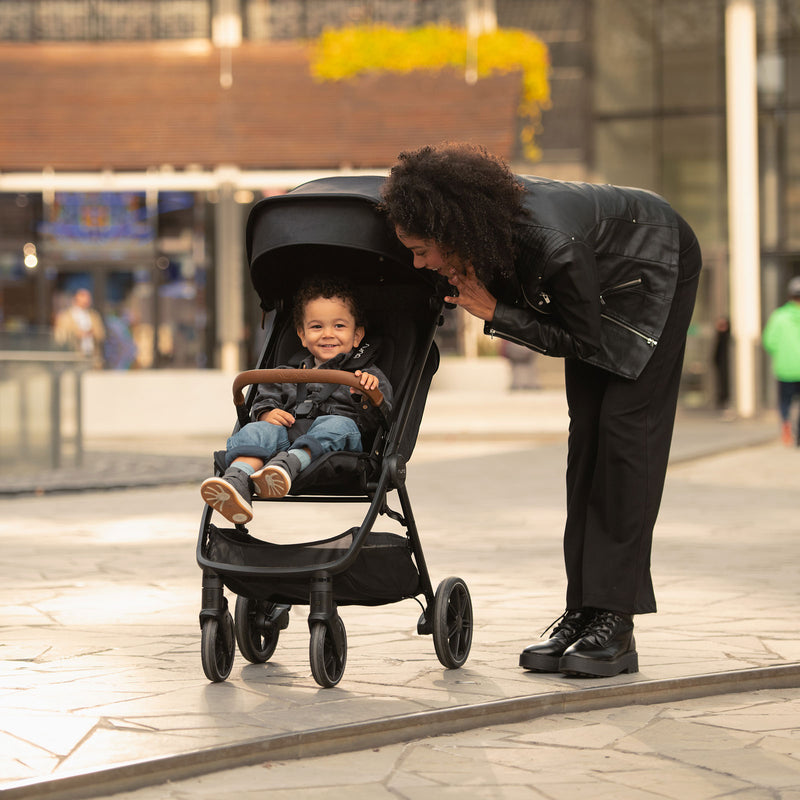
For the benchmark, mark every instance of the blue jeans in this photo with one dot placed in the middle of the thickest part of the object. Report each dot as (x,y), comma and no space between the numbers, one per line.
(264,440)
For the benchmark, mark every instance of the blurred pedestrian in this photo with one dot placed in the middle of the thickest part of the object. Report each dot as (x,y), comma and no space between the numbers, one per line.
(721,358)
(119,348)
(781,339)
(524,372)
(81,328)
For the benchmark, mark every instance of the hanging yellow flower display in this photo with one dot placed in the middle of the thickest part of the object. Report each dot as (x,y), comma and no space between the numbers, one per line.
(346,52)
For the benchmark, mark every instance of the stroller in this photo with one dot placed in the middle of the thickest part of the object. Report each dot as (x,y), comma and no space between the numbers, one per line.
(332,227)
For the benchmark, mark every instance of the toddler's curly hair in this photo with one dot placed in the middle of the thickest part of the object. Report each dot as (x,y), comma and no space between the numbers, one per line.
(319,286)
(460,196)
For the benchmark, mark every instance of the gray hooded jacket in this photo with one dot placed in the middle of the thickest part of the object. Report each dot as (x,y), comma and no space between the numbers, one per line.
(340,401)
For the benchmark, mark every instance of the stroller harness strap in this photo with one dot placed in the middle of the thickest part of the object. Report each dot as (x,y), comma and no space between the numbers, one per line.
(310,409)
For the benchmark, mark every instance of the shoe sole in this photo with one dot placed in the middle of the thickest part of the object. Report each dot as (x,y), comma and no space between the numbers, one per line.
(536,662)
(582,667)
(272,481)
(222,497)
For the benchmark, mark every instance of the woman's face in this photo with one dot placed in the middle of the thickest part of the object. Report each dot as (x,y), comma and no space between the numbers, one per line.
(429,255)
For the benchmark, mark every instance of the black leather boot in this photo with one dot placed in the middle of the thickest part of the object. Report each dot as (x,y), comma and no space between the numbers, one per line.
(545,656)
(605,648)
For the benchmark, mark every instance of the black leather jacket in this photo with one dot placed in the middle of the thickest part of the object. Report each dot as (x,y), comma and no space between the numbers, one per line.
(597,267)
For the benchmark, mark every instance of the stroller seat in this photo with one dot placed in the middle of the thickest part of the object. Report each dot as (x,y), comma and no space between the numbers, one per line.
(394,318)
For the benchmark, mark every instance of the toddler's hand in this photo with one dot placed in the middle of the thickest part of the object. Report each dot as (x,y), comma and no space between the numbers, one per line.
(277,416)
(366,380)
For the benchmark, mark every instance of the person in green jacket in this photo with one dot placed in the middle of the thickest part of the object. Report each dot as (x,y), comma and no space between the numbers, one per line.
(781,339)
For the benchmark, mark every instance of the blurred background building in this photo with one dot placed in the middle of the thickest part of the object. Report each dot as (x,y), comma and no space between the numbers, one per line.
(136,135)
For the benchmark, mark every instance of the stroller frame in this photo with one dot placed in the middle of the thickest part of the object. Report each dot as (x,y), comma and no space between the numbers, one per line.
(332,226)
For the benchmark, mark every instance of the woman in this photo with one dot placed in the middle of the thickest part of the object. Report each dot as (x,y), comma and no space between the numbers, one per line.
(606,278)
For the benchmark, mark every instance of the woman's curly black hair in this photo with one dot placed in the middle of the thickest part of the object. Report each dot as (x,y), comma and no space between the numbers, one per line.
(318,286)
(463,198)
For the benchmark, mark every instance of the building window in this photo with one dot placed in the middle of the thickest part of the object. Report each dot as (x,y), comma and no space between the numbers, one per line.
(104,20)
(306,19)
(792,186)
(625,56)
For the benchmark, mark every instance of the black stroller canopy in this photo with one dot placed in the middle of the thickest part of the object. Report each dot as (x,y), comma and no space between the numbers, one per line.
(327,226)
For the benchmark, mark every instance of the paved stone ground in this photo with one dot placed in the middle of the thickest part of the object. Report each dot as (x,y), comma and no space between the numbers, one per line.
(726,746)
(102,688)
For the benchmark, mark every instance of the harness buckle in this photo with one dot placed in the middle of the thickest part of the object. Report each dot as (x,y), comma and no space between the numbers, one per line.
(303,409)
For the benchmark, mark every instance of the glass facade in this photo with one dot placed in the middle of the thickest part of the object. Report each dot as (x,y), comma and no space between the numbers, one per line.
(788,115)
(144,259)
(792,188)
(624,60)
(689,51)
(658,102)
(659,111)
(659,125)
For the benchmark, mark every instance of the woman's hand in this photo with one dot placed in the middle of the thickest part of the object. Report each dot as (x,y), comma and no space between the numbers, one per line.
(277,416)
(473,296)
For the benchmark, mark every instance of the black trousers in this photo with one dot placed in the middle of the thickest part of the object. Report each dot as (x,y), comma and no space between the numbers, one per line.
(619,439)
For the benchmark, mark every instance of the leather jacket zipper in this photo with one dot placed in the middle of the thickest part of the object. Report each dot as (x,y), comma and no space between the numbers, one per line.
(619,288)
(648,339)
(515,340)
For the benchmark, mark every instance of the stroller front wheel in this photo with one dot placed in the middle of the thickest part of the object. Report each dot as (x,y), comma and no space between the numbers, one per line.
(217,646)
(327,661)
(452,622)
(258,626)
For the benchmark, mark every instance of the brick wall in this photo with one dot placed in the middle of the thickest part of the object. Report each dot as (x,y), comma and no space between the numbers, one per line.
(132,106)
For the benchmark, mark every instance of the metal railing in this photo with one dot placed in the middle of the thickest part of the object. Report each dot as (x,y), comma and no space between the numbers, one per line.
(41,425)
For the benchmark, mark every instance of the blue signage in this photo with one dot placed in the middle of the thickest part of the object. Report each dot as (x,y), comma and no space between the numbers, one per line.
(92,217)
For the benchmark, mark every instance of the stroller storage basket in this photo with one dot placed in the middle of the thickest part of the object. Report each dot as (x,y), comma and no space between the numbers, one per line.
(383,572)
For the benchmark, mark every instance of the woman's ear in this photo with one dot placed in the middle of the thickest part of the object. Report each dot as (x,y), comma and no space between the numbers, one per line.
(358,336)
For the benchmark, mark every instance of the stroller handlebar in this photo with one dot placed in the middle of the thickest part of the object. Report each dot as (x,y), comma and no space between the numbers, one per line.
(340,376)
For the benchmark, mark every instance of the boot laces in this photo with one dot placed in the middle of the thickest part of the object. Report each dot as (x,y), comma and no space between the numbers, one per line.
(556,622)
(605,623)
(571,620)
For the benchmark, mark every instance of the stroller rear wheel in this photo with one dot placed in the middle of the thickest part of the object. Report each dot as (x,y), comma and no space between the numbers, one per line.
(258,626)
(327,661)
(217,646)
(452,622)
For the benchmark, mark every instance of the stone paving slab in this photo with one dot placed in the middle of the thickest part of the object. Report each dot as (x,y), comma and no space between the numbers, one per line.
(723,746)
(100,648)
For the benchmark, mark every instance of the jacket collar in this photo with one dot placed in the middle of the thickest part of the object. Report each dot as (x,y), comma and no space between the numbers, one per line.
(355,359)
